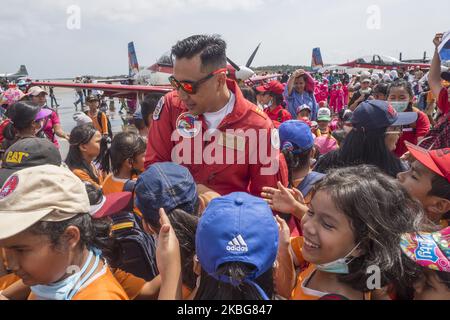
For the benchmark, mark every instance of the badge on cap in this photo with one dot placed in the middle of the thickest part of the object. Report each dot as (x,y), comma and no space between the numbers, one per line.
(187,125)
(288,146)
(158,109)
(9,186)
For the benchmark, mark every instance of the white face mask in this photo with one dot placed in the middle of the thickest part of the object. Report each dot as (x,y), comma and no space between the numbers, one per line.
(66,289)
(338,266)
(399,106)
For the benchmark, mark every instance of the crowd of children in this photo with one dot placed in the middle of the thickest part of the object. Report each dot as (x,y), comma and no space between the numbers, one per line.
(363,215)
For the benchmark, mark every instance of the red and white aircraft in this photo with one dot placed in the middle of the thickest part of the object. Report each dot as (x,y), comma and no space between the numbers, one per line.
(374,62)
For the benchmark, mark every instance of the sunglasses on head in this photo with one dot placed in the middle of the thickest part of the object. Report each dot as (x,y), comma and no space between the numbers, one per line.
(191,87)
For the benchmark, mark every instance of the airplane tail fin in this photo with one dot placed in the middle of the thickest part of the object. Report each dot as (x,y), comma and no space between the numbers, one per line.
(22,71)
(250,60)
(317,61)
(133,66)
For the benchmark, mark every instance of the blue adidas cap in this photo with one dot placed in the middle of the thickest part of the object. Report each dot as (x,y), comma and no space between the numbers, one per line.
(165,185)
(237,228)
(376,114)
(296,136)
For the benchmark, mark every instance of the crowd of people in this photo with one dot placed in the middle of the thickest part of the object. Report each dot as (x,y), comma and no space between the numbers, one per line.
(352,202)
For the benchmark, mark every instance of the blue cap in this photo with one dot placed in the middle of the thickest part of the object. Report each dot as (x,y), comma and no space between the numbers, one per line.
(165,185)
(296,136)
(237,228)
(376,114)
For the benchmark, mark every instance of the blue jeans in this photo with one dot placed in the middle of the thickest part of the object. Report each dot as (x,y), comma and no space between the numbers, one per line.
(80,99)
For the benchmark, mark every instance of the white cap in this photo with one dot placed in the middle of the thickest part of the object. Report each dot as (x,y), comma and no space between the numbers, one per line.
(43,193)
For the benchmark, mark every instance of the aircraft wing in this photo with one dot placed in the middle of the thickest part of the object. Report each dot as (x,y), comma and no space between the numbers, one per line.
(112,80)
(109,89)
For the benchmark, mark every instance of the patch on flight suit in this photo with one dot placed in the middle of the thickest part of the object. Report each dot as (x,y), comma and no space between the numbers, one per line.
(233,142)
(275,138)
(158,109)
(188,126)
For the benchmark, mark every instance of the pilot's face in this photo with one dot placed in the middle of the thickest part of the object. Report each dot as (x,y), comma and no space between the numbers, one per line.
(208,92)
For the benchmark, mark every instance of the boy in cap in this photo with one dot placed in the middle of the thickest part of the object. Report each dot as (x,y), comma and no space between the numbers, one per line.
(323,120)
(428,181)
(46,230)
(304,112)
(99,118)
(361,95)
(169,186)
(431,252)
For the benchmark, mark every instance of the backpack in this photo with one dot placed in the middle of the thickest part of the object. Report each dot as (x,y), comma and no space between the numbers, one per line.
(305,187)
(137,249)
(99,120)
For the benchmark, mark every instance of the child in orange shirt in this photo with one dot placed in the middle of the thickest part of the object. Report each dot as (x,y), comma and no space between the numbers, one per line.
(127,153)
(50,240)
(84,149)
(355,220)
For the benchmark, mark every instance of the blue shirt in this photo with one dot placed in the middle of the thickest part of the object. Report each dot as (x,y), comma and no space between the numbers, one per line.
(295,100)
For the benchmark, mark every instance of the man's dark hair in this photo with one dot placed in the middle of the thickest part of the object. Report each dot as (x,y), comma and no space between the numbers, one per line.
(211,48)
(149,104)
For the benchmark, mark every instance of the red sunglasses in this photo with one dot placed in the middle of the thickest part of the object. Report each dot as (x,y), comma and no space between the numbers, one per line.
(191,87)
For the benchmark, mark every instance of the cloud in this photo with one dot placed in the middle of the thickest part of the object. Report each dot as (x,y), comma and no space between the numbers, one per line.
(136,11)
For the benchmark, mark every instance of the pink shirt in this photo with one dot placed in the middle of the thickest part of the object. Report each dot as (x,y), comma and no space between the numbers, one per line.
(53,120)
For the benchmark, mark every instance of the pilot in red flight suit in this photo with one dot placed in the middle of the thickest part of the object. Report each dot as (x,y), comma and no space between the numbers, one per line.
(207,125)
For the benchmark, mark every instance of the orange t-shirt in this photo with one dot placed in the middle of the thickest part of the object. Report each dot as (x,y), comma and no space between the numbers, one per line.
(103,128)
(307,270)
(113,185)
(205,196)
(85,177)
(301,291)
(130,283)
(102,286)
(8,280)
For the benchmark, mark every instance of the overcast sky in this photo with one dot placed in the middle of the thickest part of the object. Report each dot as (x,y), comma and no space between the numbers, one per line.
(36,33)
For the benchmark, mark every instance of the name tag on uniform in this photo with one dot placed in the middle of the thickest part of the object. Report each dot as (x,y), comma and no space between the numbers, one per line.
(232,141)
(408,129)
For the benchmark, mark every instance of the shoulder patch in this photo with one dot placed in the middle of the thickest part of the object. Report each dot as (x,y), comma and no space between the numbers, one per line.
(158,109)
(259,112)
(275,139)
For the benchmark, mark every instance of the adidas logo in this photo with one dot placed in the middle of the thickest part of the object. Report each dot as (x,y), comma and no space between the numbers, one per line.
(237,245)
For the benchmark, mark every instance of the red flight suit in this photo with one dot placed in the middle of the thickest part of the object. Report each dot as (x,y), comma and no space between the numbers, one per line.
(225,178)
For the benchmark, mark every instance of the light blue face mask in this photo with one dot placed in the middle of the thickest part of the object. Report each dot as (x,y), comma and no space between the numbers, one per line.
(399,106)
(339,266)
(67,288)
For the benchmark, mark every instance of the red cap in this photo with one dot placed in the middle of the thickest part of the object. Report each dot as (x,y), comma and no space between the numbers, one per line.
(273,86)
(437,161)
(111,204)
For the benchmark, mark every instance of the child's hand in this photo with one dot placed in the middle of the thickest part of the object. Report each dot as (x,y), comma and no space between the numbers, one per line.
(284,233)
(168,260)
(168,248)
(438,39)
(285,200)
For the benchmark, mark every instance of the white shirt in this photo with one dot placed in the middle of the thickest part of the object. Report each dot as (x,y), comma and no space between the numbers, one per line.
(213,119)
